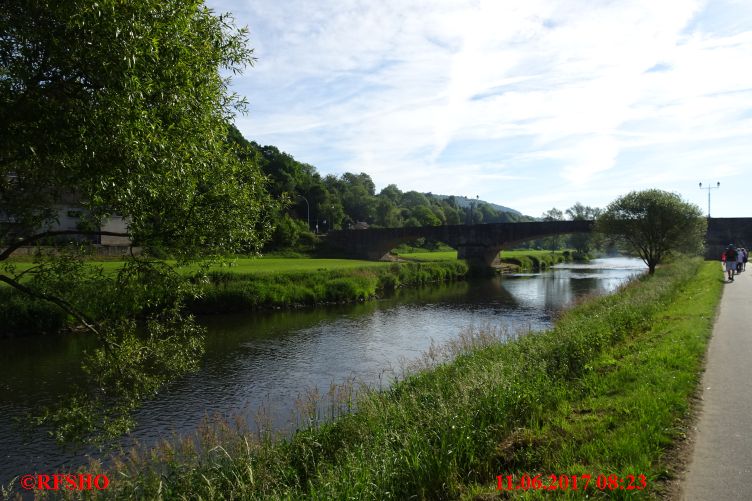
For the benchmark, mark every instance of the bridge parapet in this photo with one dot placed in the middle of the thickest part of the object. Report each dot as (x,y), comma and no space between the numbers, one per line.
(479,244)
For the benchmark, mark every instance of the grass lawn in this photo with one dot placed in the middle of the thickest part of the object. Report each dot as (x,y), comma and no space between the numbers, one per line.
(430,256)
(283,264)
(302,264)
(254,265)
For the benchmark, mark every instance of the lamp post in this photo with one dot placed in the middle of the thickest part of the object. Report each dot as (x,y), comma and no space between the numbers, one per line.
(308,210)
(717,185)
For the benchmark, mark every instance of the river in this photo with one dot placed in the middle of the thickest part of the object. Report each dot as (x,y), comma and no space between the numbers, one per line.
(262,363)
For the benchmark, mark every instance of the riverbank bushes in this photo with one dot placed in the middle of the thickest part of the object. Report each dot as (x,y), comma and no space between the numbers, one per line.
(601,393)
(21,315)
(231,292)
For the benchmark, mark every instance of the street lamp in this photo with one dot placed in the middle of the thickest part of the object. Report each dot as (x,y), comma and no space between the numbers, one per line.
(717,185)
(308,210)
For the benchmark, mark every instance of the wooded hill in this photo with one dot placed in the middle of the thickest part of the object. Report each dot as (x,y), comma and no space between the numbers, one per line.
(336,202)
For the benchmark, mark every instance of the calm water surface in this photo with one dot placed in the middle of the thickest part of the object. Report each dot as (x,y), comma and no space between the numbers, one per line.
(267,361)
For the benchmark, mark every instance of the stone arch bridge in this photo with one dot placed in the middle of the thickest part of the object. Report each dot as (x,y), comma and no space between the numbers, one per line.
(480,244)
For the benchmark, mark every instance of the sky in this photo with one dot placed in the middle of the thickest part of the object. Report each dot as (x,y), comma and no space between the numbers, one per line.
(530,104)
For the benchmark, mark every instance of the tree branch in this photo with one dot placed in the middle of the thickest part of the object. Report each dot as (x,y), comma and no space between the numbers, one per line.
(53,299)
(33,238)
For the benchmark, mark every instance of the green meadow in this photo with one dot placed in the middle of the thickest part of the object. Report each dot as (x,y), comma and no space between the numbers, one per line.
(248,265)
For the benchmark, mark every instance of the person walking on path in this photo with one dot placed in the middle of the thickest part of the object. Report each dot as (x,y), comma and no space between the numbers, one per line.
(745,253)
(720,467)
(739,260)
(730,261)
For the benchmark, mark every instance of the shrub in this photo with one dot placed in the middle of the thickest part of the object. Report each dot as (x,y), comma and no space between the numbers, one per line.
(21,315)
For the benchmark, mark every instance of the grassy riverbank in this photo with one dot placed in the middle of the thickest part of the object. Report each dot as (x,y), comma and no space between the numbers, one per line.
(229,291)
(248,284)
(245,265)
(604,392)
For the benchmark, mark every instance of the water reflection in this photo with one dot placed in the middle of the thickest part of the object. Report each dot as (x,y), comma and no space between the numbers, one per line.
(555,289)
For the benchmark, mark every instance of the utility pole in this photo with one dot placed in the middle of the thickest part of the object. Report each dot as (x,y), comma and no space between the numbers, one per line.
(717,186)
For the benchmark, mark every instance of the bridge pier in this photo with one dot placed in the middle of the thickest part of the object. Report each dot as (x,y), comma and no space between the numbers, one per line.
(479,256)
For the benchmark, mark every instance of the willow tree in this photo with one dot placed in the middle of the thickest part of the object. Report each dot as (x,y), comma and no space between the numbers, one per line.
(654,224)
(123,107)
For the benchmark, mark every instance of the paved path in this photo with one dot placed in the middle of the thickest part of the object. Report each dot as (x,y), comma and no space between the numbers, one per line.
(721,463)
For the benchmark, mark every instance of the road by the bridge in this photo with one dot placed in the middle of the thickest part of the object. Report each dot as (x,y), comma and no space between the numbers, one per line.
(721,462)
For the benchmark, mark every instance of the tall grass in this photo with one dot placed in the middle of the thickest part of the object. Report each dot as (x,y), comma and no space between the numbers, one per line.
(228,291)
(448,430)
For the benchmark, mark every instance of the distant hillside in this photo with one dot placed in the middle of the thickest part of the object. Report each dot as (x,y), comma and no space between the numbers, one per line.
(317,203)
(465,202)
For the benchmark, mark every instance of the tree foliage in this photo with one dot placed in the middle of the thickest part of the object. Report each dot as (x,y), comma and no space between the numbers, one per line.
(654,224)
(553,242)
(582,242)
(121,108)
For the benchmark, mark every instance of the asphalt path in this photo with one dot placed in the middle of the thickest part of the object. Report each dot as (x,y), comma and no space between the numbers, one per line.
(720,467)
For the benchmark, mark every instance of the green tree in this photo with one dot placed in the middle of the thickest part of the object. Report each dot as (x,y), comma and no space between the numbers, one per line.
(654,224)
(556,241)
(439,213)
(582,242)
(358,195)
(392,193)
(426,216)
(413,199)
(122,107)
(387,214)
(452,215)
(287,233)
(553,215)
(490,215)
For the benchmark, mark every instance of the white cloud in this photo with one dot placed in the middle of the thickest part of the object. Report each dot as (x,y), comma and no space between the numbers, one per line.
(414,92)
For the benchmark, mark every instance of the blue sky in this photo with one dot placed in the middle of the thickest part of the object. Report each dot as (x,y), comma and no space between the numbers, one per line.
(530,104)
